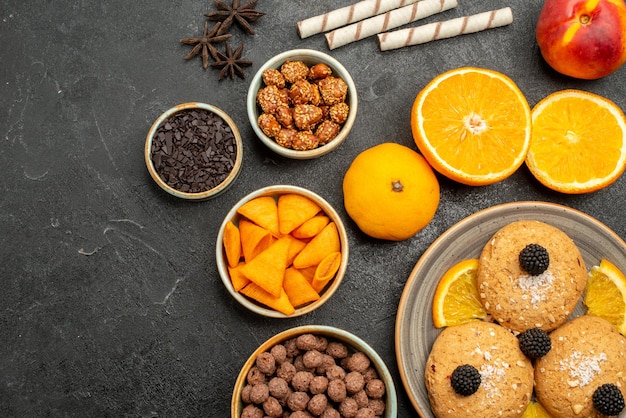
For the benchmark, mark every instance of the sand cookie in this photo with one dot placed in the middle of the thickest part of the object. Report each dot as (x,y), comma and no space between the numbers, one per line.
(506,375)
(519,299)
(586,353)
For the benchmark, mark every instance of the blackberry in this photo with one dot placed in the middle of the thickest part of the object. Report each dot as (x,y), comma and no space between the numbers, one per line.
(608,399)
(534,259)
(534,343)
(465,380)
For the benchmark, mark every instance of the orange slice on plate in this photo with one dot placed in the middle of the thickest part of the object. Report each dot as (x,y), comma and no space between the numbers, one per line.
(456,299)
(578,142)
(472,125)
(605,294)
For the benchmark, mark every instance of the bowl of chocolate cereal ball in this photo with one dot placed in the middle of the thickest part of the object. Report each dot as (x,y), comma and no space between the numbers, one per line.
(194,151)
(302,103)
(282,251)
(314,370)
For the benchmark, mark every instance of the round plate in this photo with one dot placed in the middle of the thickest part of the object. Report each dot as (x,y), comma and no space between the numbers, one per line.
(415,332)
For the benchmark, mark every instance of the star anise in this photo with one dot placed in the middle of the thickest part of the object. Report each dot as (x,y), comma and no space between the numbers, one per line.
(242,14)
(204,43)
(230,63)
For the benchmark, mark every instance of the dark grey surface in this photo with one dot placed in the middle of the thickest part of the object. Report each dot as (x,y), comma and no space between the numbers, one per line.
(111,304)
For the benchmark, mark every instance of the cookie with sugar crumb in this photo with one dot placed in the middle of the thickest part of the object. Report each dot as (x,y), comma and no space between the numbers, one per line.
(586,352)
(520,300)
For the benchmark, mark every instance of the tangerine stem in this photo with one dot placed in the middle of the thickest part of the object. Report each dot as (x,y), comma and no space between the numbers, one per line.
(397,186)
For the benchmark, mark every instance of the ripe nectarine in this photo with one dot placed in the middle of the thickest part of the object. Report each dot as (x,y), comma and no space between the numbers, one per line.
(583,38)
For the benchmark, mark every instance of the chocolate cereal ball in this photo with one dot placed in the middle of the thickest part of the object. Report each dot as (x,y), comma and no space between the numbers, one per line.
(259,393)
(301,414)
(327,361)
(358,362)
(312,359)
(272,408)
(337,390)
(335,373)
(377,405)
(245,393)
(298,362)
(266,363)
(375,388)
(370,374)
(291,348)
(318,384)
(330,412)
(255,376)
(354,382)
(251,411)
(286,371)
(361,398)
(317,404)
(337,350)
(365,413)
(348,408)
(280,353)
(298,401)
(306,342)
(301,381)
(278,387)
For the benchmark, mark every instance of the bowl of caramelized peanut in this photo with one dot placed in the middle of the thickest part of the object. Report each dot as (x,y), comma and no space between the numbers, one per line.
(302,103)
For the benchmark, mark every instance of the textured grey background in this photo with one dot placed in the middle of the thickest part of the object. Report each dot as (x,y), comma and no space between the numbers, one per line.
(111,304)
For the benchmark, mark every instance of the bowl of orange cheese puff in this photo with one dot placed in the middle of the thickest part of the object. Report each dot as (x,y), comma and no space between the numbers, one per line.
(282,251)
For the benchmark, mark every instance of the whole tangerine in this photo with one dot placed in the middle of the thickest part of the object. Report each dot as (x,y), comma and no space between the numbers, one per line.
(390,192)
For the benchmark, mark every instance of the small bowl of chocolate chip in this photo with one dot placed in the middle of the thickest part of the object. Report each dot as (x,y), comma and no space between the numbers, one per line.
(194,151)
(302,103)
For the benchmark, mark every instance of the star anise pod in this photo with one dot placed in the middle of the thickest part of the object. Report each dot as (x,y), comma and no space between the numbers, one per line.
(204,43)
(231,63)
(242,14)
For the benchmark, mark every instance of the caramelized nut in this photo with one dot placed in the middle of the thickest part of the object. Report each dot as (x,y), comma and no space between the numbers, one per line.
(304,140)
(284,116)
(306,116)
(339,112)
(300,92)
(327,131)
(285,137)
(319,71)
(294,71)
(316,98)
(269,125)
(273,77)
(333,90)
(269,98)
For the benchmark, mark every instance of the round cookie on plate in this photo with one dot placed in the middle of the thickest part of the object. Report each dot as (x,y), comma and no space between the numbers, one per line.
(530,275)
(477,370)
(587,352)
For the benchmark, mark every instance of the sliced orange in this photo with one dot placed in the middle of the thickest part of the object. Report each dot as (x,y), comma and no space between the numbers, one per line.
(578,142)
(456,299)
(535,410)
(472,125)
(605,294)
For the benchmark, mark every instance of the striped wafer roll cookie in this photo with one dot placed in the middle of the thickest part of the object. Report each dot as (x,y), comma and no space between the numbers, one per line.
(446,29)
(387,21)
(346,15)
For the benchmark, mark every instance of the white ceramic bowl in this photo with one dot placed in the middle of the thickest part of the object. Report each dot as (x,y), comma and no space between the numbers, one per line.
(309,57)
(222,264)
(219,188)
(353,342)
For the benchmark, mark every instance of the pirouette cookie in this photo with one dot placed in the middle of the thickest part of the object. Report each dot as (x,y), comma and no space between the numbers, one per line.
(477,370)
(587,352)
(530,275)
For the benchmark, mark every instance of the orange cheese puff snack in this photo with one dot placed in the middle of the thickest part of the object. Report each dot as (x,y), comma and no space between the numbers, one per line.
(326,270)
(237,278)
(295,246)
(254,239)
(311,228)
(294,210)
(298,289)
(268,268)
(232,244)
(263,212)
(324,243)
(280,303)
